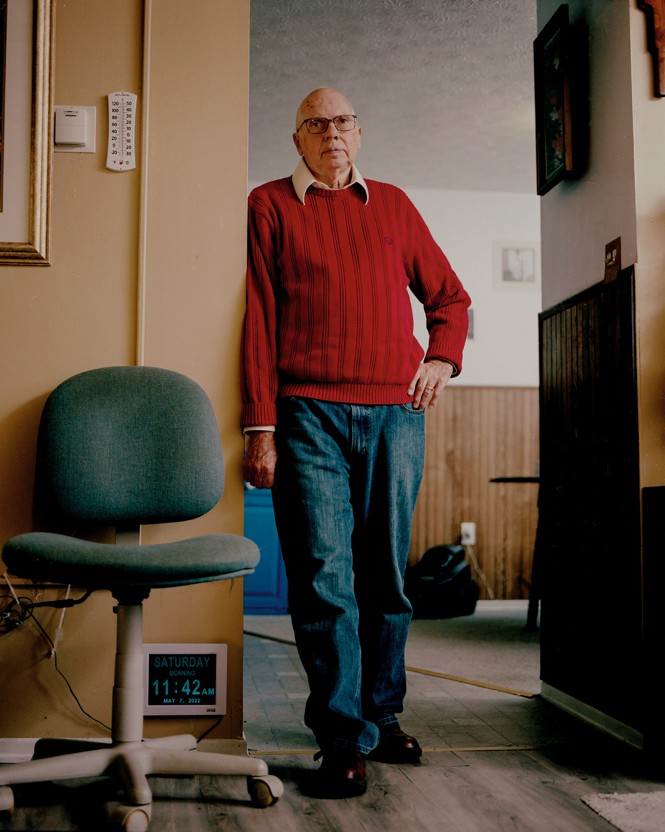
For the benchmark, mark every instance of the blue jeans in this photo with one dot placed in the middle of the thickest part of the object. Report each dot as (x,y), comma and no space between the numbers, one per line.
(346,484)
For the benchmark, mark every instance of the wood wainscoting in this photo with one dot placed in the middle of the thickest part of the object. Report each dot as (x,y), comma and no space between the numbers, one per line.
(473,436)
(590,534)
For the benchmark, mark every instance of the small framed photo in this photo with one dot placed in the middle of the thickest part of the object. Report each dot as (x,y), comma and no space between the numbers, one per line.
(517,266)
(471,331)
(556,155)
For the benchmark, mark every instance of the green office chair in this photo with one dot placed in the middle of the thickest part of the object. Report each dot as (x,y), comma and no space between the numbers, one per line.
(125,446)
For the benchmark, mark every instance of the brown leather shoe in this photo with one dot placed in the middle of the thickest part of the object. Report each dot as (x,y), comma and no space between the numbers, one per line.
(342,774)
(396,747)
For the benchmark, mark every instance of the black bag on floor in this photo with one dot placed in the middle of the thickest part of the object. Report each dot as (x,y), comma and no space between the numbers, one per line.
(440,584)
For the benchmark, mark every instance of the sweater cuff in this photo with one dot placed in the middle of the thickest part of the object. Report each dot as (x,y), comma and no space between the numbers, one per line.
(259,413)
(456,369)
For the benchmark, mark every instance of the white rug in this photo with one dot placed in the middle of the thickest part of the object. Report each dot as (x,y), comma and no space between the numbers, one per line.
(630,812)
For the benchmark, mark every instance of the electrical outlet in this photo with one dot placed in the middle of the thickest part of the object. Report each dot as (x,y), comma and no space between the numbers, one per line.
(468,534)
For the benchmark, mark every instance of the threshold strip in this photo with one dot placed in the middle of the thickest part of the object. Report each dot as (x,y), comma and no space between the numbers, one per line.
(461,679)
(288,752)
(270,638)
(525,694)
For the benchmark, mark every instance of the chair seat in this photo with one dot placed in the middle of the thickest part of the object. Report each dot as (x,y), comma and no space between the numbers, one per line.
(44,556)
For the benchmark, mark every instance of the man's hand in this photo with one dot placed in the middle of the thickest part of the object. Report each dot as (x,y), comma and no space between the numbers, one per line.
(428,383)
(259,463)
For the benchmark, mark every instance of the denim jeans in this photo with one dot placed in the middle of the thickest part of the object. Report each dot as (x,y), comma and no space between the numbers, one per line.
(346,483)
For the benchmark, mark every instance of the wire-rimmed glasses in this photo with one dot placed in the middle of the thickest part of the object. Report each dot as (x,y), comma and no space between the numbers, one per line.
(318,124)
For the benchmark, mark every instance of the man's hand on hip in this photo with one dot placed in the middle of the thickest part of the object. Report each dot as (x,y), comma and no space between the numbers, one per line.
(428,383)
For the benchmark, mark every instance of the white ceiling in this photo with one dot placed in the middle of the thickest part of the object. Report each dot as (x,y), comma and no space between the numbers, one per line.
(443,88)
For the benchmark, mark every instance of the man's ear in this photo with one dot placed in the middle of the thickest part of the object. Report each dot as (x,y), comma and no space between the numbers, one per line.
(296,142)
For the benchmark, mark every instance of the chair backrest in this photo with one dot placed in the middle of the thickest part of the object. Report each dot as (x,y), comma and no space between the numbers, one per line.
(129,445)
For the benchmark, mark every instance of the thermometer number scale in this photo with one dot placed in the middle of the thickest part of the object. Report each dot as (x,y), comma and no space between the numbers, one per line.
(121,154)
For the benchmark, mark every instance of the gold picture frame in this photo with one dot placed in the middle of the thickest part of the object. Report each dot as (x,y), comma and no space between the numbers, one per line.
(27,101)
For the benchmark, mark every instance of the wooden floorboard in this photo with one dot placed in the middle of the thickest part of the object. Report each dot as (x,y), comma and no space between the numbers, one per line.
(493,762)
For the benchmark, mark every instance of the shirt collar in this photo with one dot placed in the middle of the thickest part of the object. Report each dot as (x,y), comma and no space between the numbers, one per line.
(303,178)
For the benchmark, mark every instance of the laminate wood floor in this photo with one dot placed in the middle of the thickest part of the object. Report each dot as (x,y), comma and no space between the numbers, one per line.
(494,760)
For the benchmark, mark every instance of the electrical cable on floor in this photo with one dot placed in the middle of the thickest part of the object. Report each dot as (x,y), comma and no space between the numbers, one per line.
(481,575)
(277,639)
(57,638)
(434,750)
(442,749)
(487,685)
(461,679)
(54,655)
(9,584)
(11,614)
(20,609)
(212,728)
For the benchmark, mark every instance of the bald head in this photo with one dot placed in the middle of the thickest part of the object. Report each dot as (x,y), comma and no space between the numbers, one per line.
(320,99)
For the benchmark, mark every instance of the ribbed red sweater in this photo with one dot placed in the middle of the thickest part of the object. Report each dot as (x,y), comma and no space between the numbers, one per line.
(328,313)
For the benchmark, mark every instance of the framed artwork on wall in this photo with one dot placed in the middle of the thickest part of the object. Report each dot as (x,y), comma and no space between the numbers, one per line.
(26,81)
(655,12)
(556,155)
(517,266)
(3,43)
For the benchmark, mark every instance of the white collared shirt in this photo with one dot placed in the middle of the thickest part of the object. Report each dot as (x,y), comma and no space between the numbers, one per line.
(303,178)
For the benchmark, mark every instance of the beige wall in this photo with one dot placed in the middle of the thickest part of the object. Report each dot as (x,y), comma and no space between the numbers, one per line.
(649,114)
(579,217)
(620,195)
(147,267)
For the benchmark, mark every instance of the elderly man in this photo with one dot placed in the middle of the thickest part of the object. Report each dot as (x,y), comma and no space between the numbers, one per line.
(335,392)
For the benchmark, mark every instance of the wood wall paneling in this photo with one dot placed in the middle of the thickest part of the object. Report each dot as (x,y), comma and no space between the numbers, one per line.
(475,435)
(589,499)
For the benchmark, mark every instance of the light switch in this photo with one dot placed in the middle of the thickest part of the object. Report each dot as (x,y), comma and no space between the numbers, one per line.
(75,129)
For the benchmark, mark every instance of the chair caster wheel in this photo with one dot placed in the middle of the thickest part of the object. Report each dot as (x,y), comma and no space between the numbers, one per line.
(131,818)
(6,800)
(264,790)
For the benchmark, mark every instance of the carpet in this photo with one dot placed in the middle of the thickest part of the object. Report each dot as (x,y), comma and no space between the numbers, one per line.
(630,812)
(491,646)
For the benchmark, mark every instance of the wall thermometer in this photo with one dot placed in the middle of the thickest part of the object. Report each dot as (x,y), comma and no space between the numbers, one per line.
(121,153)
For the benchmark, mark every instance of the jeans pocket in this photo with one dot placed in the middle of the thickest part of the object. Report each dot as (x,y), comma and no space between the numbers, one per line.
(415,411)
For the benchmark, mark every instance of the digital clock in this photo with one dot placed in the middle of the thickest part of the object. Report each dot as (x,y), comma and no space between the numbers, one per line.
(185,679)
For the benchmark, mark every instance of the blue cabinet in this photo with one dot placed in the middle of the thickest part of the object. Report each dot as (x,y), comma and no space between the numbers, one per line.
(266,589)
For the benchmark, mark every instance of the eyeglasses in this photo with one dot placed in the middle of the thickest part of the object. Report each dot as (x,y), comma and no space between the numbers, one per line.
(320,125)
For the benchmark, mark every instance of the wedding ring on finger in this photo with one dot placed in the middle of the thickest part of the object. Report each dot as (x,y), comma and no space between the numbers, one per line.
(429,387)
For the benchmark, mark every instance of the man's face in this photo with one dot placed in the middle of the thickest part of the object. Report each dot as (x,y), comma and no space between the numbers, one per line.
(328,155)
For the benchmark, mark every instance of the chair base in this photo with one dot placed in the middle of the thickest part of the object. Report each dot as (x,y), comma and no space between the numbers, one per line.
(130,764)
(127,758)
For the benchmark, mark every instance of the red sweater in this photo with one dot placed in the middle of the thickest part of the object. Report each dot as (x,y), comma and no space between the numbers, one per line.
(328,313)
